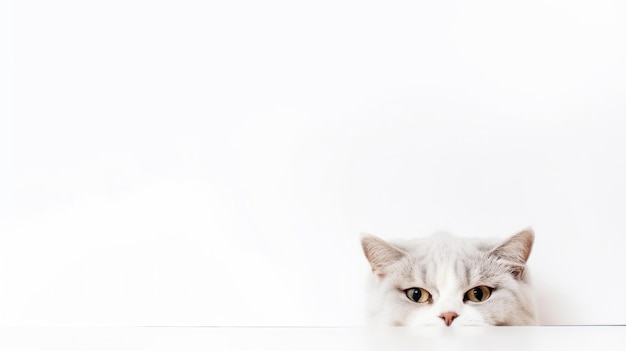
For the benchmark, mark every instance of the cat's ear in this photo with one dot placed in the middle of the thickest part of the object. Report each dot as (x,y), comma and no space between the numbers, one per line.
(380,254)
(515,251)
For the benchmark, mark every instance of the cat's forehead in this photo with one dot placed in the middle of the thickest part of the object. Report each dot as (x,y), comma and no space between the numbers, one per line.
(445,243)
(444,255)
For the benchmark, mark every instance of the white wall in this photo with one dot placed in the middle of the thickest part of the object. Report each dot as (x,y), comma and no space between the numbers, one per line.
(213,163)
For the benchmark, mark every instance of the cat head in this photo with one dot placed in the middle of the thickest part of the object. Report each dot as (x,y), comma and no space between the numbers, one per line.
(447,280)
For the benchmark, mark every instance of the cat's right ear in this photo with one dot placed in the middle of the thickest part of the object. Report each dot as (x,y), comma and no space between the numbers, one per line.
(380,253)
(515,251)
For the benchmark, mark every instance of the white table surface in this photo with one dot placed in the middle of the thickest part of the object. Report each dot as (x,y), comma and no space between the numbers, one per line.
(227,338)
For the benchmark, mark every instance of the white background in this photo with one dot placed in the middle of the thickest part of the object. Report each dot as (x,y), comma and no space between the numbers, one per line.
(213,162)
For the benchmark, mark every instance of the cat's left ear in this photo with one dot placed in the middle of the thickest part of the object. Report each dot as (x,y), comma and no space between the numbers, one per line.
(515,251)
(380,254)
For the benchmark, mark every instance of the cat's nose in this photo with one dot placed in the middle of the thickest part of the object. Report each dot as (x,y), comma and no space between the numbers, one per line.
(448,317)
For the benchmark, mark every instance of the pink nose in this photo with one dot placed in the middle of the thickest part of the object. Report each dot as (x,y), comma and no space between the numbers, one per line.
(448,317)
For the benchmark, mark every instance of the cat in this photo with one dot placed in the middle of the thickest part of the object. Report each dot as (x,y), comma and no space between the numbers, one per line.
(444,280)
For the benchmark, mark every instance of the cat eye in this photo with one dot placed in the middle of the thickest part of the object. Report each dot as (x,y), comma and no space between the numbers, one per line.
(478,294)
(418,295)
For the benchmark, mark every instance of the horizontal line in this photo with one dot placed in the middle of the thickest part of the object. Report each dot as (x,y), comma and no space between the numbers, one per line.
(583,325)
(333,327)
(248,326)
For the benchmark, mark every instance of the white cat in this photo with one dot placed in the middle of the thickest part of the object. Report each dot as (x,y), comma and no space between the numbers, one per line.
(447,280)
